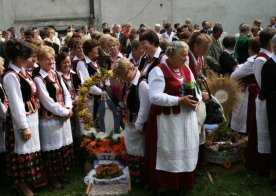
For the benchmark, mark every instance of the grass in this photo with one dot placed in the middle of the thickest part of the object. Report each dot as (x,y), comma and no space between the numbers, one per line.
(236,181)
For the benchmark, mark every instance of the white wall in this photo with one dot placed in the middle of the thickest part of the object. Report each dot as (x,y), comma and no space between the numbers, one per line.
(229,12)
(40,13)
(64,12)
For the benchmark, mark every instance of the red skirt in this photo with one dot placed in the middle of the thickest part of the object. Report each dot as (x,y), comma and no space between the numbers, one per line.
(160,179)
(253,159)
(59,161)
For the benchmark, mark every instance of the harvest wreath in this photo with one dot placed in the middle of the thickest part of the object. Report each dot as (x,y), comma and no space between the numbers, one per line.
(96,142)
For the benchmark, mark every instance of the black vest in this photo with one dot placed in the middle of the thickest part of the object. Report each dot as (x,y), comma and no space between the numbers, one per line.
(155,62)
(76,82)
(133,102)
(26,91)
(2,94)
(52,93)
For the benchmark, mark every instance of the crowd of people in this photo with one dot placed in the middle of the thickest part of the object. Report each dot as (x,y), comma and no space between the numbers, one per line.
(162,70)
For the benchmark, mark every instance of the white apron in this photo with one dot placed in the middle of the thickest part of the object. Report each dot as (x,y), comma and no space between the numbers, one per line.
(239,113)
(177,141)
(262,127)
(135,142)
(54,134)
(33,144)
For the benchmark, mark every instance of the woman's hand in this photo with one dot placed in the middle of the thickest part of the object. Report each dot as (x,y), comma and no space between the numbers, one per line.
(188,102)
(27,134)
(205,96)
(70,113)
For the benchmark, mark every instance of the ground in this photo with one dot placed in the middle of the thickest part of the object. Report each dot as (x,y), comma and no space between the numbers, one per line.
(233,182)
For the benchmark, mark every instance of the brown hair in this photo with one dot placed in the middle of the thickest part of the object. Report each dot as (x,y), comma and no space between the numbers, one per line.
(123,65)
(43,51)
(199,38)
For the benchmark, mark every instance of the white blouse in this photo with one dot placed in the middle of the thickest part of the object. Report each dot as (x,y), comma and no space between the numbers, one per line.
(157,85)
(84,74)
(47,101)
(245,69)
(11,84)
(258,66)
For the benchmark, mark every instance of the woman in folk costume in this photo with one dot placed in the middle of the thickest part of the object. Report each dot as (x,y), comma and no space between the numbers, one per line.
(78,51)
(244,74)
(136,100)
(55,113)
(88,68)
(149,41)
(70,78)
(199,44)
(117,88)
(24,158)
(3,112)
(172,139)
(268,91)
(258,149)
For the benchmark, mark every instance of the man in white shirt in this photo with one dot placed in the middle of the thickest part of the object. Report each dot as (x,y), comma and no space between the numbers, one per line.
(169,34)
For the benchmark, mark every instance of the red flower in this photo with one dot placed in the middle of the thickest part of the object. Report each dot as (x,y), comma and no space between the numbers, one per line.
(21,159)
(21,174)
(32,171)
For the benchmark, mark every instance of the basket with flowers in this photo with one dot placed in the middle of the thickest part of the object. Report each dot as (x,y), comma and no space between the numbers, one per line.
(223,145)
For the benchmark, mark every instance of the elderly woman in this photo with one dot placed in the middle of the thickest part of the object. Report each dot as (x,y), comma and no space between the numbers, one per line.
(24,159)
(172,139)
(137,110)
(55,113)
(268,91)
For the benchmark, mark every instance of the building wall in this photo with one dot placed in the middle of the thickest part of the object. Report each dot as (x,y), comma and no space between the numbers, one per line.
(229,13)
(60,13)
(65,12)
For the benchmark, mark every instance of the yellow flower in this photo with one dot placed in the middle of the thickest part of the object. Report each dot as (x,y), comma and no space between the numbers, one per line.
(80,98)
(87,126)
(82,112)
(89,80)
(84,89)
(110,72)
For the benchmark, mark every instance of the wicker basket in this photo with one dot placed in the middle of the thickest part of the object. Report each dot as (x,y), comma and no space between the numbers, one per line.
(219,157)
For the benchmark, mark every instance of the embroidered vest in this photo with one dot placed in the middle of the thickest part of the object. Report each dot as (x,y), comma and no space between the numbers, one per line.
(28,94)
(74,78)
(144,62)
(172,87)
(197,67)
(55,91)
(132,102)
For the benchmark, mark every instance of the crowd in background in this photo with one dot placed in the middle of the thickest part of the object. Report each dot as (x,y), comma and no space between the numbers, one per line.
(158,104)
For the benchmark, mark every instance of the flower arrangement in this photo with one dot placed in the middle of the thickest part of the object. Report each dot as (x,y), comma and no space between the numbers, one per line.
(114,144)
(83,94)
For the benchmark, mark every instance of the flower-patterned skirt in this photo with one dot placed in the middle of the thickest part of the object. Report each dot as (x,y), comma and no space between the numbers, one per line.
(2,165)
(22,168)
(59,161)
(136,166)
